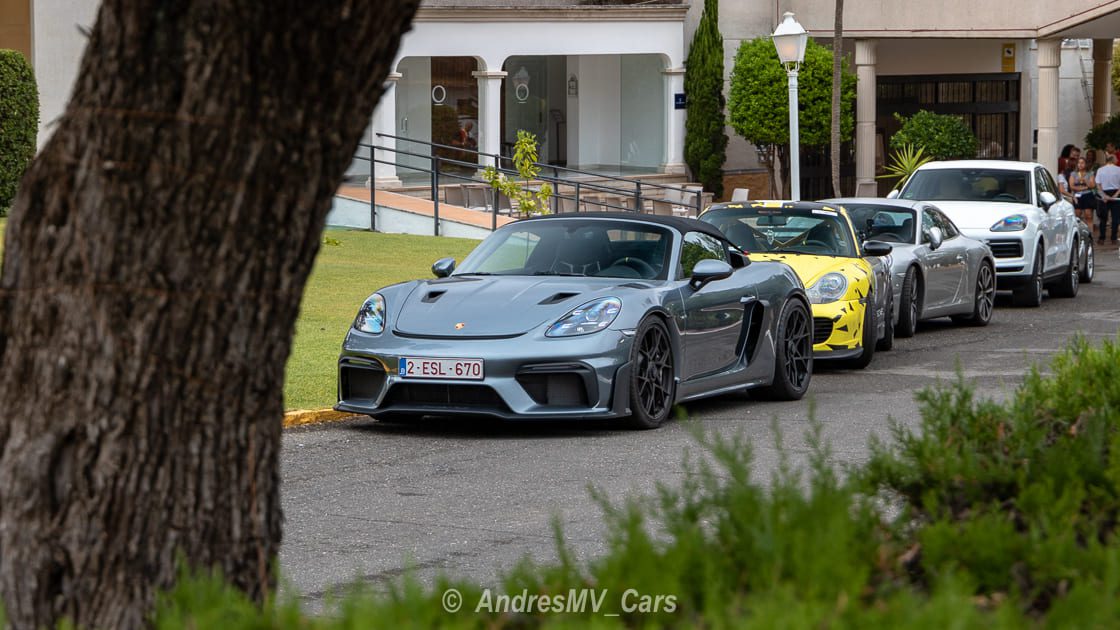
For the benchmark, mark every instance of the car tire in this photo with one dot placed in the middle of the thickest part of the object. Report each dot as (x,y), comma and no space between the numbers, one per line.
(864,359)
(910,308)
(1088,266)
(984,303)
(887,342)
(1067,286)
(1031,294)
(793,354)
(653,383)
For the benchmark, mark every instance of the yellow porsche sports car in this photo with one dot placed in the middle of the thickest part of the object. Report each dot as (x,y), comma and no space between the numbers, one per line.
(848,282)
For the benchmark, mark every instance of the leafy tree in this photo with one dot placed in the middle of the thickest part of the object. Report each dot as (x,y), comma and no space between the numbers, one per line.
(759,101)
(19,122)
(154,263)
(1107,131)
(1115,70)
(705,143)
(529,202)
(942,136)
(904,162)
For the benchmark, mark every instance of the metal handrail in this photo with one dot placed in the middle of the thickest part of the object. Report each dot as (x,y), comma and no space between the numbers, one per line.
(434,173)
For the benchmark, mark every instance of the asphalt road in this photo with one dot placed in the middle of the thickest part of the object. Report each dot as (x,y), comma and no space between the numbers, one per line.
(366,500)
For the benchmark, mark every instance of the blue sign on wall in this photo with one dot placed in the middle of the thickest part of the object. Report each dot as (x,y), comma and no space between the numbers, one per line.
(679,101)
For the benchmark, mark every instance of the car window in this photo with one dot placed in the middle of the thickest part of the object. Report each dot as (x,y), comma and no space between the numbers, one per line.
(573,247)
(968,184)
(805,230)
(927,223)
(948,230)
(698,246)
(882,222)
(1046,183)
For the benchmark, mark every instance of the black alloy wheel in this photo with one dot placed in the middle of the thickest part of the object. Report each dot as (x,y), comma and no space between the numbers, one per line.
(652,377)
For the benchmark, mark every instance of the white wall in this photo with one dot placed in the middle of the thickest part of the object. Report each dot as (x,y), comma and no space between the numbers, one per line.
(56,50)
(600,117)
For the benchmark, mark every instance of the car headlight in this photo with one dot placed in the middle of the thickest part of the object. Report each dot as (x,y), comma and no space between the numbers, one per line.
(1013,223)
(830,287)
(371,317)
(586,318)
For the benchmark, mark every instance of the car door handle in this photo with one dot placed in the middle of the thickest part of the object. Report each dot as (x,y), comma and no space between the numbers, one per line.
(748,299)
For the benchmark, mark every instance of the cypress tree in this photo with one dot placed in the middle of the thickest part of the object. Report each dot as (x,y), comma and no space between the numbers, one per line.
(705,143)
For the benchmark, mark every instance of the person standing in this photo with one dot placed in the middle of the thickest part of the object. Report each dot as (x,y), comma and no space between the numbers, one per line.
(1081,187)
(1108,181)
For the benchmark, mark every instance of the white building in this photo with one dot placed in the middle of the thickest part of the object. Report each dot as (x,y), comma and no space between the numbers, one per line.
(598,84)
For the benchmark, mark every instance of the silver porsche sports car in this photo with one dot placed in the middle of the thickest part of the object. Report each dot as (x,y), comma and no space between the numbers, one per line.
(937,271)
(593,315)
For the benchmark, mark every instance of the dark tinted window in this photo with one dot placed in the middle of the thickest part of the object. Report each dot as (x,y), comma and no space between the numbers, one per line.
(576,247)
(968,184)
(882,222)
(696,247)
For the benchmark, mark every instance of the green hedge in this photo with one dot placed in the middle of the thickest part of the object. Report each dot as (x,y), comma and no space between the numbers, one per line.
(943,136)
(988,515)
(19,122)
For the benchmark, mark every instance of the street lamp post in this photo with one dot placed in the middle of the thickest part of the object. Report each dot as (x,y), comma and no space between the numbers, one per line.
(790,40)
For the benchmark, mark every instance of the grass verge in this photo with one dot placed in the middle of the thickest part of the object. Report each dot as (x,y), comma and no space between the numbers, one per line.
(347,270)
(352,265)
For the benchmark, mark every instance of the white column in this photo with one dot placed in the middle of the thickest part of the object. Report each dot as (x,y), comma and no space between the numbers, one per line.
(1102,80)
(674,123)
(865,118)
(385,121)
(1049,58)
(489,113)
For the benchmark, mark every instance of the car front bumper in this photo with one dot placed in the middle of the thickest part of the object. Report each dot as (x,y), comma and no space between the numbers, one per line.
(838,329)
(525,377)
(1013,253)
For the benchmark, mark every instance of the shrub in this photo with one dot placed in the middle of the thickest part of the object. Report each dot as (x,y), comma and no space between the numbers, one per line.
(19,122)
(705,143)
(988,515)
(942,136)
(1107,131)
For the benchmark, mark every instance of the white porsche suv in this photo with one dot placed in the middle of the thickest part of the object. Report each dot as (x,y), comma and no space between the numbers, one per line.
(1017,209)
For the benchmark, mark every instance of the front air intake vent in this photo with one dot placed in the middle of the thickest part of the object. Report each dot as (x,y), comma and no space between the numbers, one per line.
(559,297)
(432,296)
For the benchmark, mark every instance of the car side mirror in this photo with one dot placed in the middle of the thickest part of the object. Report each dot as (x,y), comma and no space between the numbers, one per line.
(708,270)
(877,248)
(1047,199)
(443,267)
(893,194)
(935,237)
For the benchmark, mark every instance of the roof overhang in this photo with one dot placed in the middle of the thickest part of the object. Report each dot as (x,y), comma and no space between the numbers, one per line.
(660,13)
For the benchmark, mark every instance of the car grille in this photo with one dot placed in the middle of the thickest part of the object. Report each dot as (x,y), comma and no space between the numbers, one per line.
(822,329)
(472,396)
(1006,248)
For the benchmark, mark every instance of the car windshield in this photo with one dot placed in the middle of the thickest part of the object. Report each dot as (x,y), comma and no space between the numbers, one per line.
(968,184)
(882,222)
(573,247)
(792,230)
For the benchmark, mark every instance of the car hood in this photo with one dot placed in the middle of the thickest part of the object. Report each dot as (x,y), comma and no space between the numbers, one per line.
(464,307)
(810,268)
(982,215)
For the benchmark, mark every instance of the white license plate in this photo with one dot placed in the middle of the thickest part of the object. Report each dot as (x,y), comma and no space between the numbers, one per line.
(453,369)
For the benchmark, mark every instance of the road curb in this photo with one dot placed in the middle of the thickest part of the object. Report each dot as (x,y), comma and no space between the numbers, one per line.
(303,417)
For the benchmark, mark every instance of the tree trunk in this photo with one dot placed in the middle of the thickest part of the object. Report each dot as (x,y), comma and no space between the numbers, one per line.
(155,260)
(837,56)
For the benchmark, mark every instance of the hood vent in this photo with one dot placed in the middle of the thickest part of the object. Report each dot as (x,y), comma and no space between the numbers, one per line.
(432,296)
(559,297)
(635,285)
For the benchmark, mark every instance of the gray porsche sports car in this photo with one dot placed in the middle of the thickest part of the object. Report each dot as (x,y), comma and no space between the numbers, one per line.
(937,271)
(589,315)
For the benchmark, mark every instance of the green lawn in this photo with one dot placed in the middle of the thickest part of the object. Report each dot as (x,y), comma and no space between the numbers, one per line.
(344,276)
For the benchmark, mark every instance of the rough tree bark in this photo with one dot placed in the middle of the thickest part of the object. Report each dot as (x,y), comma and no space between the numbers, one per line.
(837,56)
(153,268)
